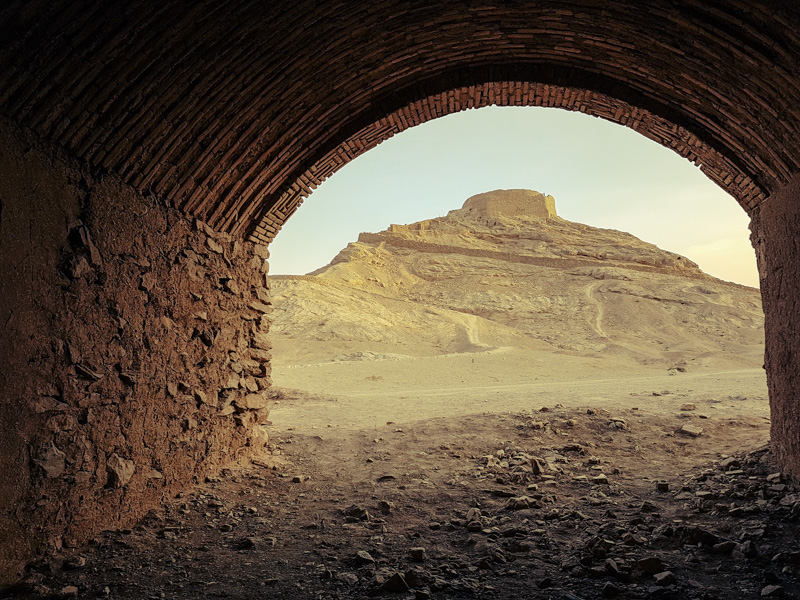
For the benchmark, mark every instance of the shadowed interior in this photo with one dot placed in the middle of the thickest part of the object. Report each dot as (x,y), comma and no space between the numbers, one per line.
(123,122)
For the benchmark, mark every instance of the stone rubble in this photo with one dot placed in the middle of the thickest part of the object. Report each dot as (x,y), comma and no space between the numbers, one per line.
(531,517)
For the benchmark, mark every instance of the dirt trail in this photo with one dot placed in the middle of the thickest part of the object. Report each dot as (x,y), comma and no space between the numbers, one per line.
(595,323)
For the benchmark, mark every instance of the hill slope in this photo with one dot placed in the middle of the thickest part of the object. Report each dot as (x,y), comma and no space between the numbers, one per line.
(504,273)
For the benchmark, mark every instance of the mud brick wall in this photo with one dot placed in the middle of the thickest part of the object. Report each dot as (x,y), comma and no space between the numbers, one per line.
(134,356)
(774,233)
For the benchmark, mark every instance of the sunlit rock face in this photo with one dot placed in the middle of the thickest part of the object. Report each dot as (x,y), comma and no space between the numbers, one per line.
(505,271)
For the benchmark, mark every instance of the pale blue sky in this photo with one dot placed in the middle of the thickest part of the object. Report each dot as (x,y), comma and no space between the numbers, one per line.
(600,174)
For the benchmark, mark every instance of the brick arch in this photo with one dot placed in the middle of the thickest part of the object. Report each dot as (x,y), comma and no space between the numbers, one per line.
(230,110)
(728,173)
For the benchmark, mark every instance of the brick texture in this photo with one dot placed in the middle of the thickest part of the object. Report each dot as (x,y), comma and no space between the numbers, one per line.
(235,111)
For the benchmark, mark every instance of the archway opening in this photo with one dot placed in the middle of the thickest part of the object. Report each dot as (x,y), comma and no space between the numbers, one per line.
(365,363)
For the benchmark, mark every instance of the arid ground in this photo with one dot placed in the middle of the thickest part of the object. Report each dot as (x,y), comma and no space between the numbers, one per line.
(462,411)
(634,486)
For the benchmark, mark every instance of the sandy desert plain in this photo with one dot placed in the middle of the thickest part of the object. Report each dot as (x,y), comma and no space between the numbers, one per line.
(502,306)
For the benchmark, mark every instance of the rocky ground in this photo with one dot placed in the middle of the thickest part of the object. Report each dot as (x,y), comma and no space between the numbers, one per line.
(553,502)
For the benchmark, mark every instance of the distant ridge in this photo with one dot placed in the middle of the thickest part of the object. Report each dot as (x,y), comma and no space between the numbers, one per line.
(505,271)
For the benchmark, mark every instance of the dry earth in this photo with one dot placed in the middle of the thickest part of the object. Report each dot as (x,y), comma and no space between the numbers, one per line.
(494,404)
(554,501)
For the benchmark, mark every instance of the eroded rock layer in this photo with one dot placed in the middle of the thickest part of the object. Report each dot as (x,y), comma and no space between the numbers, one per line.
(506,271)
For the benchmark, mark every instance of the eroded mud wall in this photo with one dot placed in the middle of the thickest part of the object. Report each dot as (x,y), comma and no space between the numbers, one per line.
(776,236)
(133,357)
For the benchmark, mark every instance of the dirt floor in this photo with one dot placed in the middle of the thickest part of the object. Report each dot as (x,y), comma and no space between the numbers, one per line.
(646,486)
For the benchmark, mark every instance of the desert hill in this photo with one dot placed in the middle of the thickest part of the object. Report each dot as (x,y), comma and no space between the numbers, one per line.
(505,274)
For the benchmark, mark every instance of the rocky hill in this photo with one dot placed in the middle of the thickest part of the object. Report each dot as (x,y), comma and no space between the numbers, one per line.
(504,272)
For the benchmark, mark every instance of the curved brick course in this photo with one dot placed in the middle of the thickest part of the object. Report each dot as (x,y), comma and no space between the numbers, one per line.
(235,111)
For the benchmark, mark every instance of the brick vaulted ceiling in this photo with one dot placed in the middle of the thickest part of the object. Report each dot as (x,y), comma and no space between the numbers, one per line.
(234,110)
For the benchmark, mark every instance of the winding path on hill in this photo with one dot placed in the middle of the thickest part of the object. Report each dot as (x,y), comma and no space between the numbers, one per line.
(595,323)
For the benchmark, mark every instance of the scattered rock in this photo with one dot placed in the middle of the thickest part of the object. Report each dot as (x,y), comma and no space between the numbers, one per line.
(348,578)
(395,584)
(690,430)
(746,549)
(119,471)
(231,286)
(517,503)
(365,558)
(725,547)
(254,401)
(51,460)
(73,563)
(248,543)
(214,246)
(86,371)
(772,591)
(260,307)
(128,378)
(665,578)
(417,554)
(148,281)
(356,513)
(729,464)
(698,535)
(650,565)
(648,507)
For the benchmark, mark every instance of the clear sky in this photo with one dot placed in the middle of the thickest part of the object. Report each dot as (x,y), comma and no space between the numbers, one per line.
(599,173)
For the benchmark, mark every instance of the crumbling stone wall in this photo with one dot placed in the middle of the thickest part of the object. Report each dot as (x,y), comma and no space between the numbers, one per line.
(134,356)
(775,225)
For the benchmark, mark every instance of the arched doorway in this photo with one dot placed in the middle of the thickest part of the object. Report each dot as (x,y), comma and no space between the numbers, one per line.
(723,171)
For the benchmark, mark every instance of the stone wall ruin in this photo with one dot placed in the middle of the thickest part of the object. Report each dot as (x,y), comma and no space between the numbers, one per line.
(134,358)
